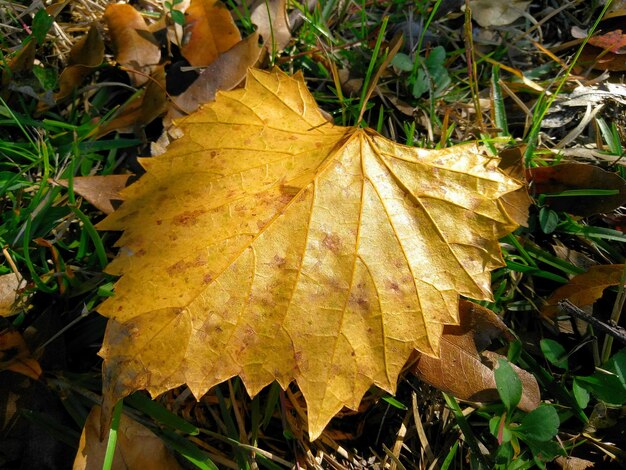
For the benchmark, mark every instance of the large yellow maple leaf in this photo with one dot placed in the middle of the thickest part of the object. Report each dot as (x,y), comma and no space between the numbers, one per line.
(271,244)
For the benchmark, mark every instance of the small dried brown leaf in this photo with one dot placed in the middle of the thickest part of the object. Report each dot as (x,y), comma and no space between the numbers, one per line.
(613,41)
(211,31)
(137,447)
(496,12)
(8,292)
(462,370)
(135,46)
(599,59)
(15,356)
(573,176)
(270,17)
(22,62)
(142,110)
(573,463)
(584,289)
(99,190)
(85,56)
(225,73)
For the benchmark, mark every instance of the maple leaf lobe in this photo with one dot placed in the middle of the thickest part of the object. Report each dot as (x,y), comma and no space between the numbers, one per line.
(303,251)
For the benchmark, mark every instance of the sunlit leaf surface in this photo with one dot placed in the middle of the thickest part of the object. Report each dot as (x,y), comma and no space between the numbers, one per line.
(270,244)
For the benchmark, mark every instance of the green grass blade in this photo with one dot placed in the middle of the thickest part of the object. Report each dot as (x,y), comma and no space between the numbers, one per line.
(112,442)
(157,412)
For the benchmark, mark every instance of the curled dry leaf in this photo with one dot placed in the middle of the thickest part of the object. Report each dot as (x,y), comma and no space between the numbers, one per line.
(606,51)
(296,250)
(573,463)
(462,369)
(142,110)
(210,30)
(553,180)
(613,41)
(9,284)
(135,46)
(15,356)
(100,191)
(270,17)
(584,289)
(497,12)
(225,73)
(22,62)
(85,56)
(137,447)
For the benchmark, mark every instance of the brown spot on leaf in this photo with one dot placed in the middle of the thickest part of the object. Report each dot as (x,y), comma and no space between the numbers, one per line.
(207,278)
(200,260)
(279,261)
(187,218)
(362,302)
(393,285)
(332,242)
(176,268)
(261,223)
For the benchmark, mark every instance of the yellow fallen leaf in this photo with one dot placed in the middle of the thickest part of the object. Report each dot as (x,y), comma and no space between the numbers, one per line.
(271,244)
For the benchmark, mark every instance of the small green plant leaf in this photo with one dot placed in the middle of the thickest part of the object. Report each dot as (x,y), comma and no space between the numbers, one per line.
(508,384)
(548,220)
(47,77)
(543,451)
(608,383)
(436,59)
(499,428)
(554,353)
(41,24)
(402,62)
(421,84)
(541,424)
(178,17)
(504,455)
(580,394)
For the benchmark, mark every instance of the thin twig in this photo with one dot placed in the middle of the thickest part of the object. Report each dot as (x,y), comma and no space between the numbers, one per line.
(613,330)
